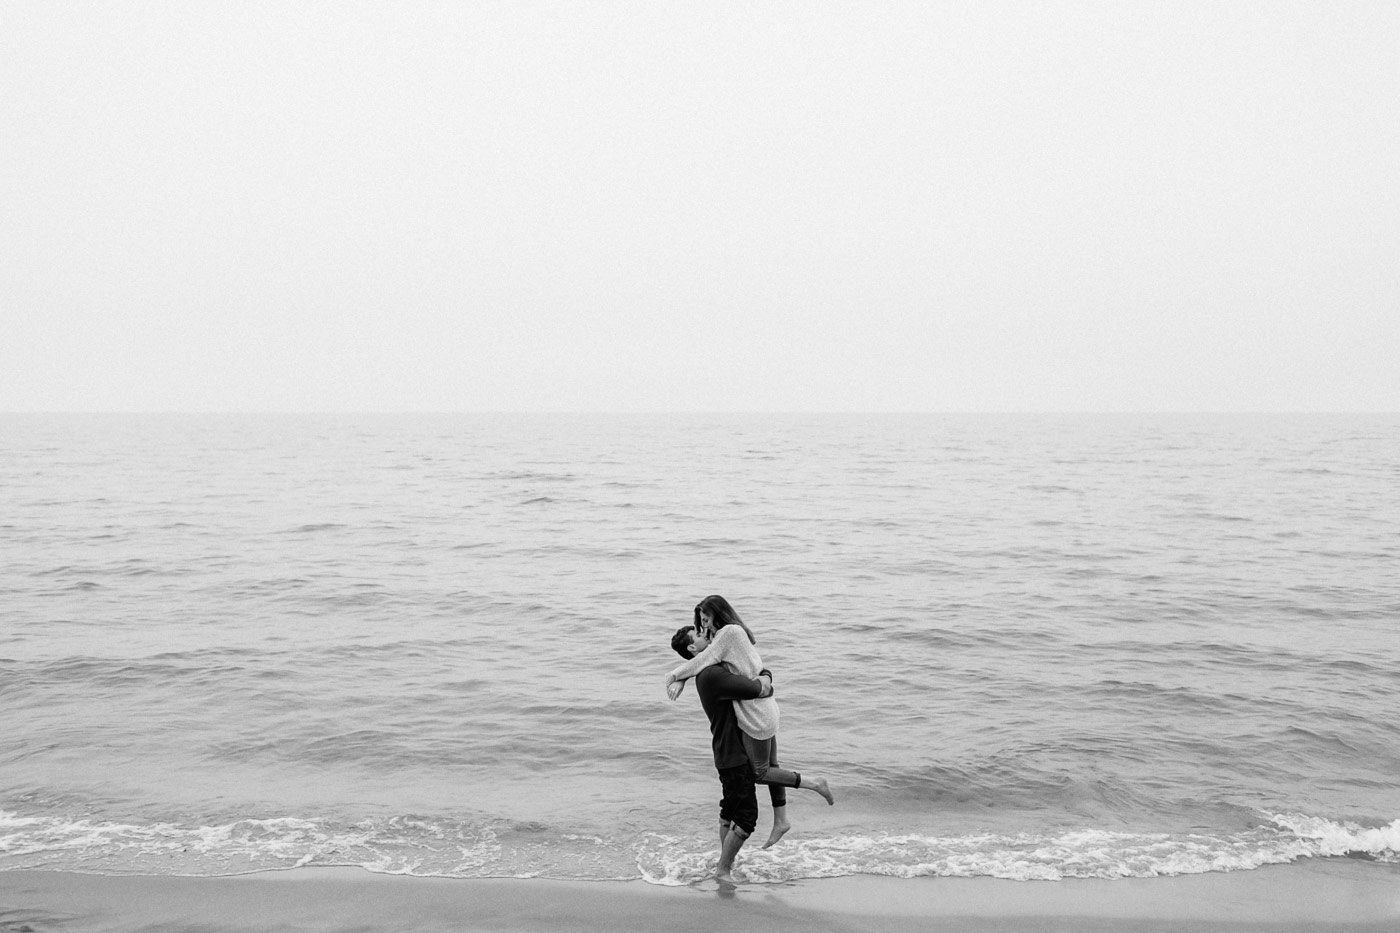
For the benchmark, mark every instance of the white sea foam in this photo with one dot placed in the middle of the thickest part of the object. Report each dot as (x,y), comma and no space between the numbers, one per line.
(419,846)
(1328,837)
(1028,857)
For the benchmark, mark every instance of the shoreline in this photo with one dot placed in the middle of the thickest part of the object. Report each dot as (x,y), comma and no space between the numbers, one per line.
(1331,894)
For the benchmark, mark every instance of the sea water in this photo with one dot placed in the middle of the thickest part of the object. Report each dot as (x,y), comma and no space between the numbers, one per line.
(1032,647)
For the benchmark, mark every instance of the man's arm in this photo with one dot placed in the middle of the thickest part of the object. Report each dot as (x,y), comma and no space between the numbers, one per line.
(724,685)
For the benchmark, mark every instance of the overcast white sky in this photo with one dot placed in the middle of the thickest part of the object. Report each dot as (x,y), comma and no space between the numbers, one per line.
(650,206)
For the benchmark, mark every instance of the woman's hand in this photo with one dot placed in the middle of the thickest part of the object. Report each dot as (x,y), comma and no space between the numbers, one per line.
(674,687)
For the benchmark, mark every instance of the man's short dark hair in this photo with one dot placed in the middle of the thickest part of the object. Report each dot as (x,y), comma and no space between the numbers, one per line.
(681,641)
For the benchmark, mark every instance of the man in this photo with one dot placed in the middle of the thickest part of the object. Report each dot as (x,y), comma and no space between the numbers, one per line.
(718,688)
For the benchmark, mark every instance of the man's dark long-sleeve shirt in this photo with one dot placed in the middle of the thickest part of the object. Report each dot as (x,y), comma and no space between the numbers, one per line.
(718,688)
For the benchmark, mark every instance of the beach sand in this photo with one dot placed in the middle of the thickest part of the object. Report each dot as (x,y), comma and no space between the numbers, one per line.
(1331,895)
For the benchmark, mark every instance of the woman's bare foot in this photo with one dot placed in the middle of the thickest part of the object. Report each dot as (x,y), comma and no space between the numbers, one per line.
(820,786)
(779,831)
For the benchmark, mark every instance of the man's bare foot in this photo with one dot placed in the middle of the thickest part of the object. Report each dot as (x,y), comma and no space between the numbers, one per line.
(820,786)
(779,831)
(725,878)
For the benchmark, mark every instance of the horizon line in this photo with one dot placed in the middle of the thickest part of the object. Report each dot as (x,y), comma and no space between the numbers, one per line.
(695,411)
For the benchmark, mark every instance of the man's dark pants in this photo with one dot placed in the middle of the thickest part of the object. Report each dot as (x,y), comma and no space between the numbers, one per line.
(739,805)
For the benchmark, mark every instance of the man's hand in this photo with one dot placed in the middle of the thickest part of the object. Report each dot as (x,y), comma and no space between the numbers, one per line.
(767,682)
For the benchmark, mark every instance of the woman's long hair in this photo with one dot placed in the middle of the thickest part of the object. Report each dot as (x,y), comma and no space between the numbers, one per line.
(722,614)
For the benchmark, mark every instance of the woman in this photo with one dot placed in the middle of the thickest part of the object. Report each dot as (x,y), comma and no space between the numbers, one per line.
(758,718)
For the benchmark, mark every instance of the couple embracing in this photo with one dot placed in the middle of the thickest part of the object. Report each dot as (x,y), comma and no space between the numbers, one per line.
(736,692)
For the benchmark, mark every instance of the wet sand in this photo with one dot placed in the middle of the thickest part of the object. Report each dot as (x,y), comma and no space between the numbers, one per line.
(1336,895)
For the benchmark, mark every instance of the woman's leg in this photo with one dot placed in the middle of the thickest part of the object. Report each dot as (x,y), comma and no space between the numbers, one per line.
(763,757)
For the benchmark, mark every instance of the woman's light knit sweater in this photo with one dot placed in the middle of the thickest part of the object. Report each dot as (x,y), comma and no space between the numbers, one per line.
(731,645)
